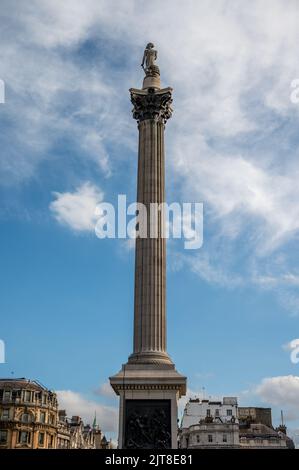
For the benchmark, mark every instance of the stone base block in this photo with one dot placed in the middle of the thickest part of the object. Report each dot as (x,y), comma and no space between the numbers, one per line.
(148,405)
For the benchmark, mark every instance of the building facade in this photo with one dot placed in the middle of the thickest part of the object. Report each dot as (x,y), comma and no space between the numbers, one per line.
(63,431)
(256,430)
(254,414)
(30,419)
(81,436)
(215,424)
(210,424)
(28,415)
(100,439)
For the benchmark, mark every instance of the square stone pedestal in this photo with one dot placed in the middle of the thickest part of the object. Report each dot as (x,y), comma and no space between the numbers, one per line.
(148,405)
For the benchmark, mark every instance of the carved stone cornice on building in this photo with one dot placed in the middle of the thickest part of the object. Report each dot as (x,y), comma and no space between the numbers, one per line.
(151,104)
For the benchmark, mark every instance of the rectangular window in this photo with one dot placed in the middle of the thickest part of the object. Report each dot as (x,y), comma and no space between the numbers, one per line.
(5,413)
(24,437)
(198,438)
(7,394)
(208,412)
(41,439)
(217,413)
(224,438)
(15,394)
(3,437)
(27,396)
(42,417)
(50,441)
(26,418)
(229,412)
(210,438)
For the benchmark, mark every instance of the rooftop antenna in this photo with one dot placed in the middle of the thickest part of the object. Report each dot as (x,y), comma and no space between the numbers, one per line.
(281,414)
(203,393)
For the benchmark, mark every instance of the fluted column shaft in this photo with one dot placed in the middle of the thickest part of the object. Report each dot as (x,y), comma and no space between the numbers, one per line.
(151,110)
(150,256)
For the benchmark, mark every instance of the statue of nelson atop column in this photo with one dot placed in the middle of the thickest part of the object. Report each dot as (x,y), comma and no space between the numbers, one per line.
(148,60)
(151,70)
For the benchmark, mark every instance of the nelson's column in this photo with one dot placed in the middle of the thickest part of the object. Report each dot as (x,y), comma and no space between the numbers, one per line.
(148,384)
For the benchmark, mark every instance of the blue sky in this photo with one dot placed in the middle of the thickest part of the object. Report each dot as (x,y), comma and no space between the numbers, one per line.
(68,141)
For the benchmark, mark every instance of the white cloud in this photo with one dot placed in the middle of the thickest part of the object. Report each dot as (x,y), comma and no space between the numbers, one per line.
(281,391)
(289,346)
(75,404)
(216,49)
(77,210)
(235,189)
(230,103)
(105,390)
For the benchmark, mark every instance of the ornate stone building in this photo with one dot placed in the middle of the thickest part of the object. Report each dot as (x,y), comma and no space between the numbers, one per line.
(100,439)
(210,424)
(73,434)
(30,419)
(214,424)
(257,432)
(63,431)
(28,415)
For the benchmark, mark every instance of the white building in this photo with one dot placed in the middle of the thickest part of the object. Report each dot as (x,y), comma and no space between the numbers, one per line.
(210,424)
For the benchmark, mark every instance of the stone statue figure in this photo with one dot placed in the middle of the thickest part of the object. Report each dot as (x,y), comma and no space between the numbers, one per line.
(149,56)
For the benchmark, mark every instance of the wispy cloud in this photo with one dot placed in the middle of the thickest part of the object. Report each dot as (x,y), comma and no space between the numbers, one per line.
(204,375)
(232,142)
(211,271)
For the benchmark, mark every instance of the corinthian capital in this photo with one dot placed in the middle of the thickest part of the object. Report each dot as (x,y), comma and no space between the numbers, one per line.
(151,104)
